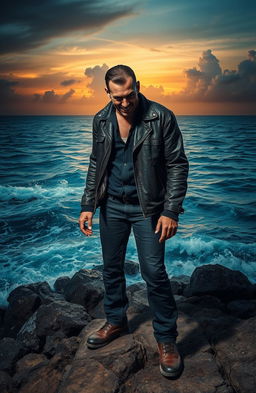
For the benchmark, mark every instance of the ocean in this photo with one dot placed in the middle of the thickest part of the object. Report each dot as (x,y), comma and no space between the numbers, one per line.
(43,169)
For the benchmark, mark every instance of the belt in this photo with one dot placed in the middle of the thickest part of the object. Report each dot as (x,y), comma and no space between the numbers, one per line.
(124,199)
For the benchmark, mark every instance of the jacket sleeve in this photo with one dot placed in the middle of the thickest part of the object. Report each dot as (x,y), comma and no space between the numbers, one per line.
(177,165)
(88,198)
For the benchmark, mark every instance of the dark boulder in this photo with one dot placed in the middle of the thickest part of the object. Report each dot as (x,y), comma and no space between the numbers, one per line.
(63,317)
(85,288)
(135,287)
(179,284)
(131,267)
(38,374)
(10,352)
(236,355)
(107,368)
(219,281)
(6,383)
(23,302)
(67,346)
(243,308)
(27,335)
(61,283)
(60,316)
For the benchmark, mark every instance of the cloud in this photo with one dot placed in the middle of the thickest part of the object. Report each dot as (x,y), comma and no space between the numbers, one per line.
(50,97)
(31,24)
(209,65)
(209,83)
(67,95)
(7,92)
(152,92)
(69,82)
(97,76)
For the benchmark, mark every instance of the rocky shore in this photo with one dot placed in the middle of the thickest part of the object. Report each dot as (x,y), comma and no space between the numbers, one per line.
(43,337)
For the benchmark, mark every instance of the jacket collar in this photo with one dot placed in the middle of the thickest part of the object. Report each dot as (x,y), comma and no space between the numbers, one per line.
(148,112)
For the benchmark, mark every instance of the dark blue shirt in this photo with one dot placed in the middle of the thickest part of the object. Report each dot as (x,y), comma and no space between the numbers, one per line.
(121,182)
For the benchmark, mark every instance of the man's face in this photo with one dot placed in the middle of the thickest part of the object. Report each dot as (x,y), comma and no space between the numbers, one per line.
(124,97)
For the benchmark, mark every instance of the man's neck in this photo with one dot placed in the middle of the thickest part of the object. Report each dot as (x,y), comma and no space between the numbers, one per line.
(128,120)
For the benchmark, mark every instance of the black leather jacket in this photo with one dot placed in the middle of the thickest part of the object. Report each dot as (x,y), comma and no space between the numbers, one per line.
(160,164)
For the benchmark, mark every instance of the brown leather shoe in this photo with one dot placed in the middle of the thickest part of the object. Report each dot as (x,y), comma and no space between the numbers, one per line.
(171,363)
(106,334)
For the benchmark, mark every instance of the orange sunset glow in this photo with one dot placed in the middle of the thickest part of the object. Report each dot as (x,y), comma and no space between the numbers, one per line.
(185,56)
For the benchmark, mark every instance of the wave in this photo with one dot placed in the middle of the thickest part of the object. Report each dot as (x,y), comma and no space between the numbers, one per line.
(20,193)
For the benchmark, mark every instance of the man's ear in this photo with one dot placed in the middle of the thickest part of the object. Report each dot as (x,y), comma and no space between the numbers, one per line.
(107,91)
(138,86)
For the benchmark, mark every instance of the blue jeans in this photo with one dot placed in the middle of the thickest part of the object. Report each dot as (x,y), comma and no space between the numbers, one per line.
(116,219)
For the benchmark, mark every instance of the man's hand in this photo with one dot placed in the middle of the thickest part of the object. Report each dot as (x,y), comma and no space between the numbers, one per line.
(169,227)
(84,217)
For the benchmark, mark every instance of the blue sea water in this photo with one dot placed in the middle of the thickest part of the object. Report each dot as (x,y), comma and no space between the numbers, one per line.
(43,169)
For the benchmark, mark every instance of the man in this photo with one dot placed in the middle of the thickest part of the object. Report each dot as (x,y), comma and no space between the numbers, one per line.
(138,176)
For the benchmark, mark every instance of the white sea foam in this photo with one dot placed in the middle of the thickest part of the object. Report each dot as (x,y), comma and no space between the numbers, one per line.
(38,191)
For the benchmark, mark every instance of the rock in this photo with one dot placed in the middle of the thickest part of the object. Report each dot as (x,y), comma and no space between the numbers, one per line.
(34,366)
(209,312)
(179,284)
(28,362)
(2,314)
(10,351)
(44,291)
(206,301)
(217,346)
(98,268)
(28,337)
(58,344)
(137,297)
(200,374)
(236,355)
(85,288)
(106,367)
(139,301)
(179,298)
(212,320)
(43,377)
(98,311)
(89,378)
(242,308)
(220,281)
(254,290)
(23,302)
(61,316)
(61,283)
(131,267)
(135,287)
(5,383)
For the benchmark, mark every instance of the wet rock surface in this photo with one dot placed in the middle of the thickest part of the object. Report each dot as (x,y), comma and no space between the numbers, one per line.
(43,345)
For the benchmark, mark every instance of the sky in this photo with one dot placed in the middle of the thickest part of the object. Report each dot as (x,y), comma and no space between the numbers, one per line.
(195,57)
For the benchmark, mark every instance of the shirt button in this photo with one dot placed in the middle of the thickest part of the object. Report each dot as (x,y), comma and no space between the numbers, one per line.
(125,164)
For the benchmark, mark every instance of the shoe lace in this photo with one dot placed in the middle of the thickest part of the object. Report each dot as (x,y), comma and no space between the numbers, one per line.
(106,326)
(168,347)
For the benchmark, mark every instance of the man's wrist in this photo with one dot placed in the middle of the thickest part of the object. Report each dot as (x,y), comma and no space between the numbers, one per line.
(170,214)
(87,208)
